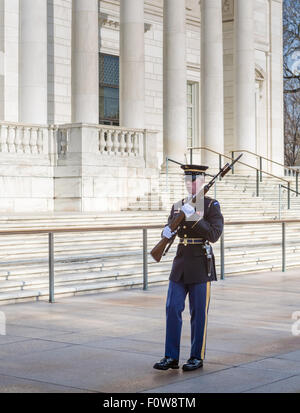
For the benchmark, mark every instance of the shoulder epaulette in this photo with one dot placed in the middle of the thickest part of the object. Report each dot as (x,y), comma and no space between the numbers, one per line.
(210,202)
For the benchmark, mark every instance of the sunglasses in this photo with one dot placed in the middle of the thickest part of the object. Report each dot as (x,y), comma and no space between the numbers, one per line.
(193,178)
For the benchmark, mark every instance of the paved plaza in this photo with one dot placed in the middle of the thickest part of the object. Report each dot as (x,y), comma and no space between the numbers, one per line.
(109,342)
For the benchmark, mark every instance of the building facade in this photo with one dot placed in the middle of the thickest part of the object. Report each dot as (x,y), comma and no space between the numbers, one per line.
(95,94)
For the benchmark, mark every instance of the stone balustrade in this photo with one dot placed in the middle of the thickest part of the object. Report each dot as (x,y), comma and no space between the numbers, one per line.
(111,141)
(74,167)
(114,141)
(17,138)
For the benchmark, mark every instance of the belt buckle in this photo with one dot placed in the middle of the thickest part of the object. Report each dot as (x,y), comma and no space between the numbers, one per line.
(185,242)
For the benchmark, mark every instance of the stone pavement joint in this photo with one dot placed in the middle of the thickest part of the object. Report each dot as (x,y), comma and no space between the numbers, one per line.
(108,342)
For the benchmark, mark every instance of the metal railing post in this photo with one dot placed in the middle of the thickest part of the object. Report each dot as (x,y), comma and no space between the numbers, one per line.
(191,156)
(167,178)
(222,256)
(297,176)
(257,182)
(283,246)
(289,195)
(260,168)
(220,165)
(145,260)
(51,267)
(232,158)
(279,199)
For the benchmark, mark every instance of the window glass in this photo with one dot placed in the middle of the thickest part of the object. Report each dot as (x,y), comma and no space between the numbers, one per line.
(192,114)
(109,89)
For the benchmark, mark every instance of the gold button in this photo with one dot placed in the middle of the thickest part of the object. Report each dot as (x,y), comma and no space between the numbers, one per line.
(185,235)
(184,227)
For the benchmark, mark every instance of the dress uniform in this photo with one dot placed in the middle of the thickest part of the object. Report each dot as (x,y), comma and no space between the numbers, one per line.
(192,271)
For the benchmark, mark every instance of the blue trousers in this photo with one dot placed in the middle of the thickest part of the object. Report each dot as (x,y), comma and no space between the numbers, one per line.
(199,297)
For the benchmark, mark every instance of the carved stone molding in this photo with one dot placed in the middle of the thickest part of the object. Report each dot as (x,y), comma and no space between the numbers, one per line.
(112,22)
(108,21)
(147,27)
(228,8)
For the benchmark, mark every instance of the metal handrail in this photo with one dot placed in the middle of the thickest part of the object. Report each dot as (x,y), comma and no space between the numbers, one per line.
(290,189)
(76,229)
(191,148)
(288,197)
(267,159)
(275,162)
(51,231)
(242,163)
(283,223)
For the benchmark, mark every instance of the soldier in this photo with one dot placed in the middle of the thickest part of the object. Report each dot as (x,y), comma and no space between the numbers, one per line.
(192,271)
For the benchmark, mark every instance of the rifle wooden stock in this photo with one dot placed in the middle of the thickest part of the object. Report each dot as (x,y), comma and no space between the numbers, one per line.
(158,250)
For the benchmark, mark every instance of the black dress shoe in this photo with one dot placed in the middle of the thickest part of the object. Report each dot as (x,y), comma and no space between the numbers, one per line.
(192,364)
(166,363)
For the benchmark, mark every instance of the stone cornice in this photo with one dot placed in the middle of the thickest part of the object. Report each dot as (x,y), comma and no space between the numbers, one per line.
(193,66)
(151,9)
(110,21)
(113,22)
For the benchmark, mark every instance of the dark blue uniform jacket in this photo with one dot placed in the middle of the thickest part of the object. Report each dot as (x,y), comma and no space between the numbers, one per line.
(190,263)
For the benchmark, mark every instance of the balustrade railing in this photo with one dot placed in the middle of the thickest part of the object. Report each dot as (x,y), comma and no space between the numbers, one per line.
(116,141)
(31,139)
(16,138)
(112,140)
(26,139)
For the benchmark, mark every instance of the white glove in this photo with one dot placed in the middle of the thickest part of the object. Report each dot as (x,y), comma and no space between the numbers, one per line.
(168,233)
(188,210)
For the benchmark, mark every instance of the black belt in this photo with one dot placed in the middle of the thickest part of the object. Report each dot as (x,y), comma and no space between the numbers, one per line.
(186,241)
(206,246)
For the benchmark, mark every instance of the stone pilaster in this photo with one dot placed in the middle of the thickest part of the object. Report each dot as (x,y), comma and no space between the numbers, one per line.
(174,81)
(212,85)
(85,61)
(33,61)
(276,88)
(132,64)
(244,80)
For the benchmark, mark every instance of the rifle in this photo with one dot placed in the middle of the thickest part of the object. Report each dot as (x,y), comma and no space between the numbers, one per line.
(160,248)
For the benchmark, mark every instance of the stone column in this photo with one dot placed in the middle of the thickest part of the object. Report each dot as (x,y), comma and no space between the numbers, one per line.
(212,84)
(244,80)
(276,151)
(132,64)
(174,82)
(33,61)
(85,62)
(2,51)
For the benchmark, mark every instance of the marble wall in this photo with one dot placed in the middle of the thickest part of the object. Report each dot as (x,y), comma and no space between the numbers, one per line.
(43,182)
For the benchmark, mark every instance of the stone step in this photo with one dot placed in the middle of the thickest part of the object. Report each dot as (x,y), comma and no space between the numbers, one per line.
(103,240)
(128,282)
(86,288)
(270,207)
(224,194)
(67,280)
(110,249)
(79,257)
(111,266)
